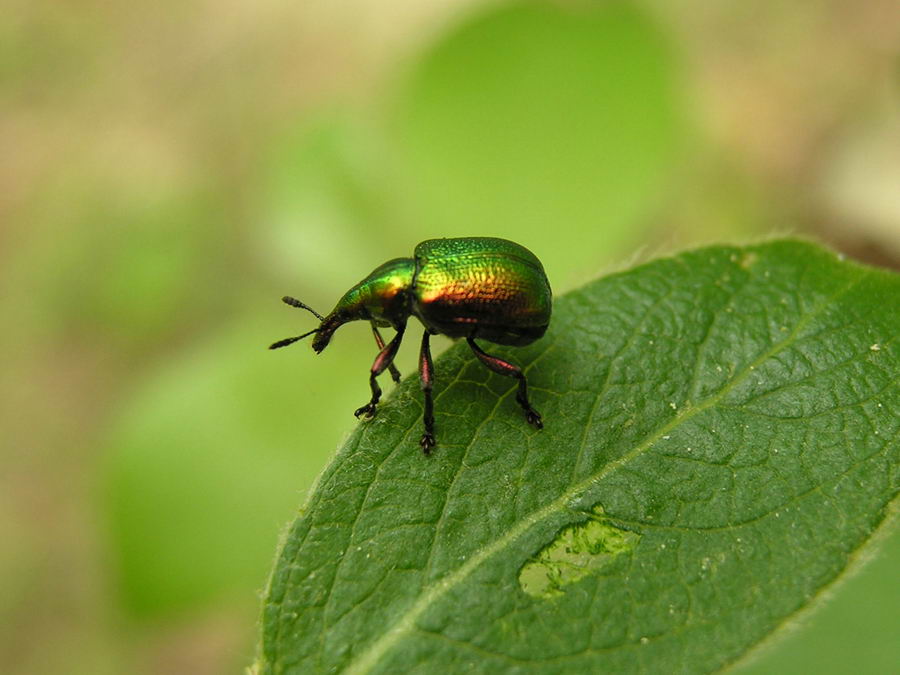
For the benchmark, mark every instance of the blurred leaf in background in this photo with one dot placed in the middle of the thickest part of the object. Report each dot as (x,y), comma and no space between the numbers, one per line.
(544,123)
(323,211)
(217,445)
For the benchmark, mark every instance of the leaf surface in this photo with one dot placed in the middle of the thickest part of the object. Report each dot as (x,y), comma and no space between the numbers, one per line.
(720,439)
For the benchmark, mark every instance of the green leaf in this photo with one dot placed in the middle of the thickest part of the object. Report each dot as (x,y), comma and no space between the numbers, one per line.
(720,440)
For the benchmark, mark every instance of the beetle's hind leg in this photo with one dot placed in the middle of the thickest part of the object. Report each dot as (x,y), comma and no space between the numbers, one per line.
(426,379)
(382,362)
(392,369)
(502,367)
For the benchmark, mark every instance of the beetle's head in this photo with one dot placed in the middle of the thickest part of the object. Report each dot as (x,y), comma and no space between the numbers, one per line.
(324,331)
(381,296)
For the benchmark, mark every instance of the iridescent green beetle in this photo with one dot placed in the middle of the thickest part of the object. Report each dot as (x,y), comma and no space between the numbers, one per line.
(473,287)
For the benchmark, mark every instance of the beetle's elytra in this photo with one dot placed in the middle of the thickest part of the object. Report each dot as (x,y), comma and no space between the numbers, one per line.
(472,287)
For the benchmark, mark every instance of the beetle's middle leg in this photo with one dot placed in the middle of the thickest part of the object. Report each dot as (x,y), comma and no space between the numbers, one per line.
(395,374)
(502,367)
(384,359)
(426,378)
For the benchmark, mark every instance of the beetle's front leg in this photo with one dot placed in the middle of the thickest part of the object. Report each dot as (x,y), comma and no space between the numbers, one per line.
(395,374)
(502,367)
(384,359)
(426,379)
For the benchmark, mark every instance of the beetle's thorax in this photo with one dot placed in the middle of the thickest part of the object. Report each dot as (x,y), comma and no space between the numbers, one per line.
(383,296)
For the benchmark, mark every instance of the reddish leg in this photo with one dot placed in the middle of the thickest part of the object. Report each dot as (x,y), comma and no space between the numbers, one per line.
(382,362)
(395,374)
(502,367)
(426,379)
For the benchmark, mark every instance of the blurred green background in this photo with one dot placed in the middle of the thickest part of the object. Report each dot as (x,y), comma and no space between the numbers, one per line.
(170,170)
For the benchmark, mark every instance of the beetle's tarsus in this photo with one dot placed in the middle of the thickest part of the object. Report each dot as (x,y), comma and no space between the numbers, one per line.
(395,374)
(534,417)
(531,415)
(427,442)
(369,410)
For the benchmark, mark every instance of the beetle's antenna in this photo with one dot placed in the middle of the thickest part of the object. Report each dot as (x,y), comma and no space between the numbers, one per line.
(291,340)
(294,302)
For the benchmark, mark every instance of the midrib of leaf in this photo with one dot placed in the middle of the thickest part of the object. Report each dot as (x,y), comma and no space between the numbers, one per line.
(433,592)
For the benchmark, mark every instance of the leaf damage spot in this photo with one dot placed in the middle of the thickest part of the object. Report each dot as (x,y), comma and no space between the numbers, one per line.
(576,552)
(749,259)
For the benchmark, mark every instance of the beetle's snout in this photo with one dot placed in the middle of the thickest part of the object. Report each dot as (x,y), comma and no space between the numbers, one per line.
(321,341)
(326,330)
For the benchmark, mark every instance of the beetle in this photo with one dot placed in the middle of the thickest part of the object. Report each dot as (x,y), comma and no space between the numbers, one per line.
(470,287)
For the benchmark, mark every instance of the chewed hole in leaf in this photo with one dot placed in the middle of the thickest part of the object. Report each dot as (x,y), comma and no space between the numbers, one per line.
(576,552)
